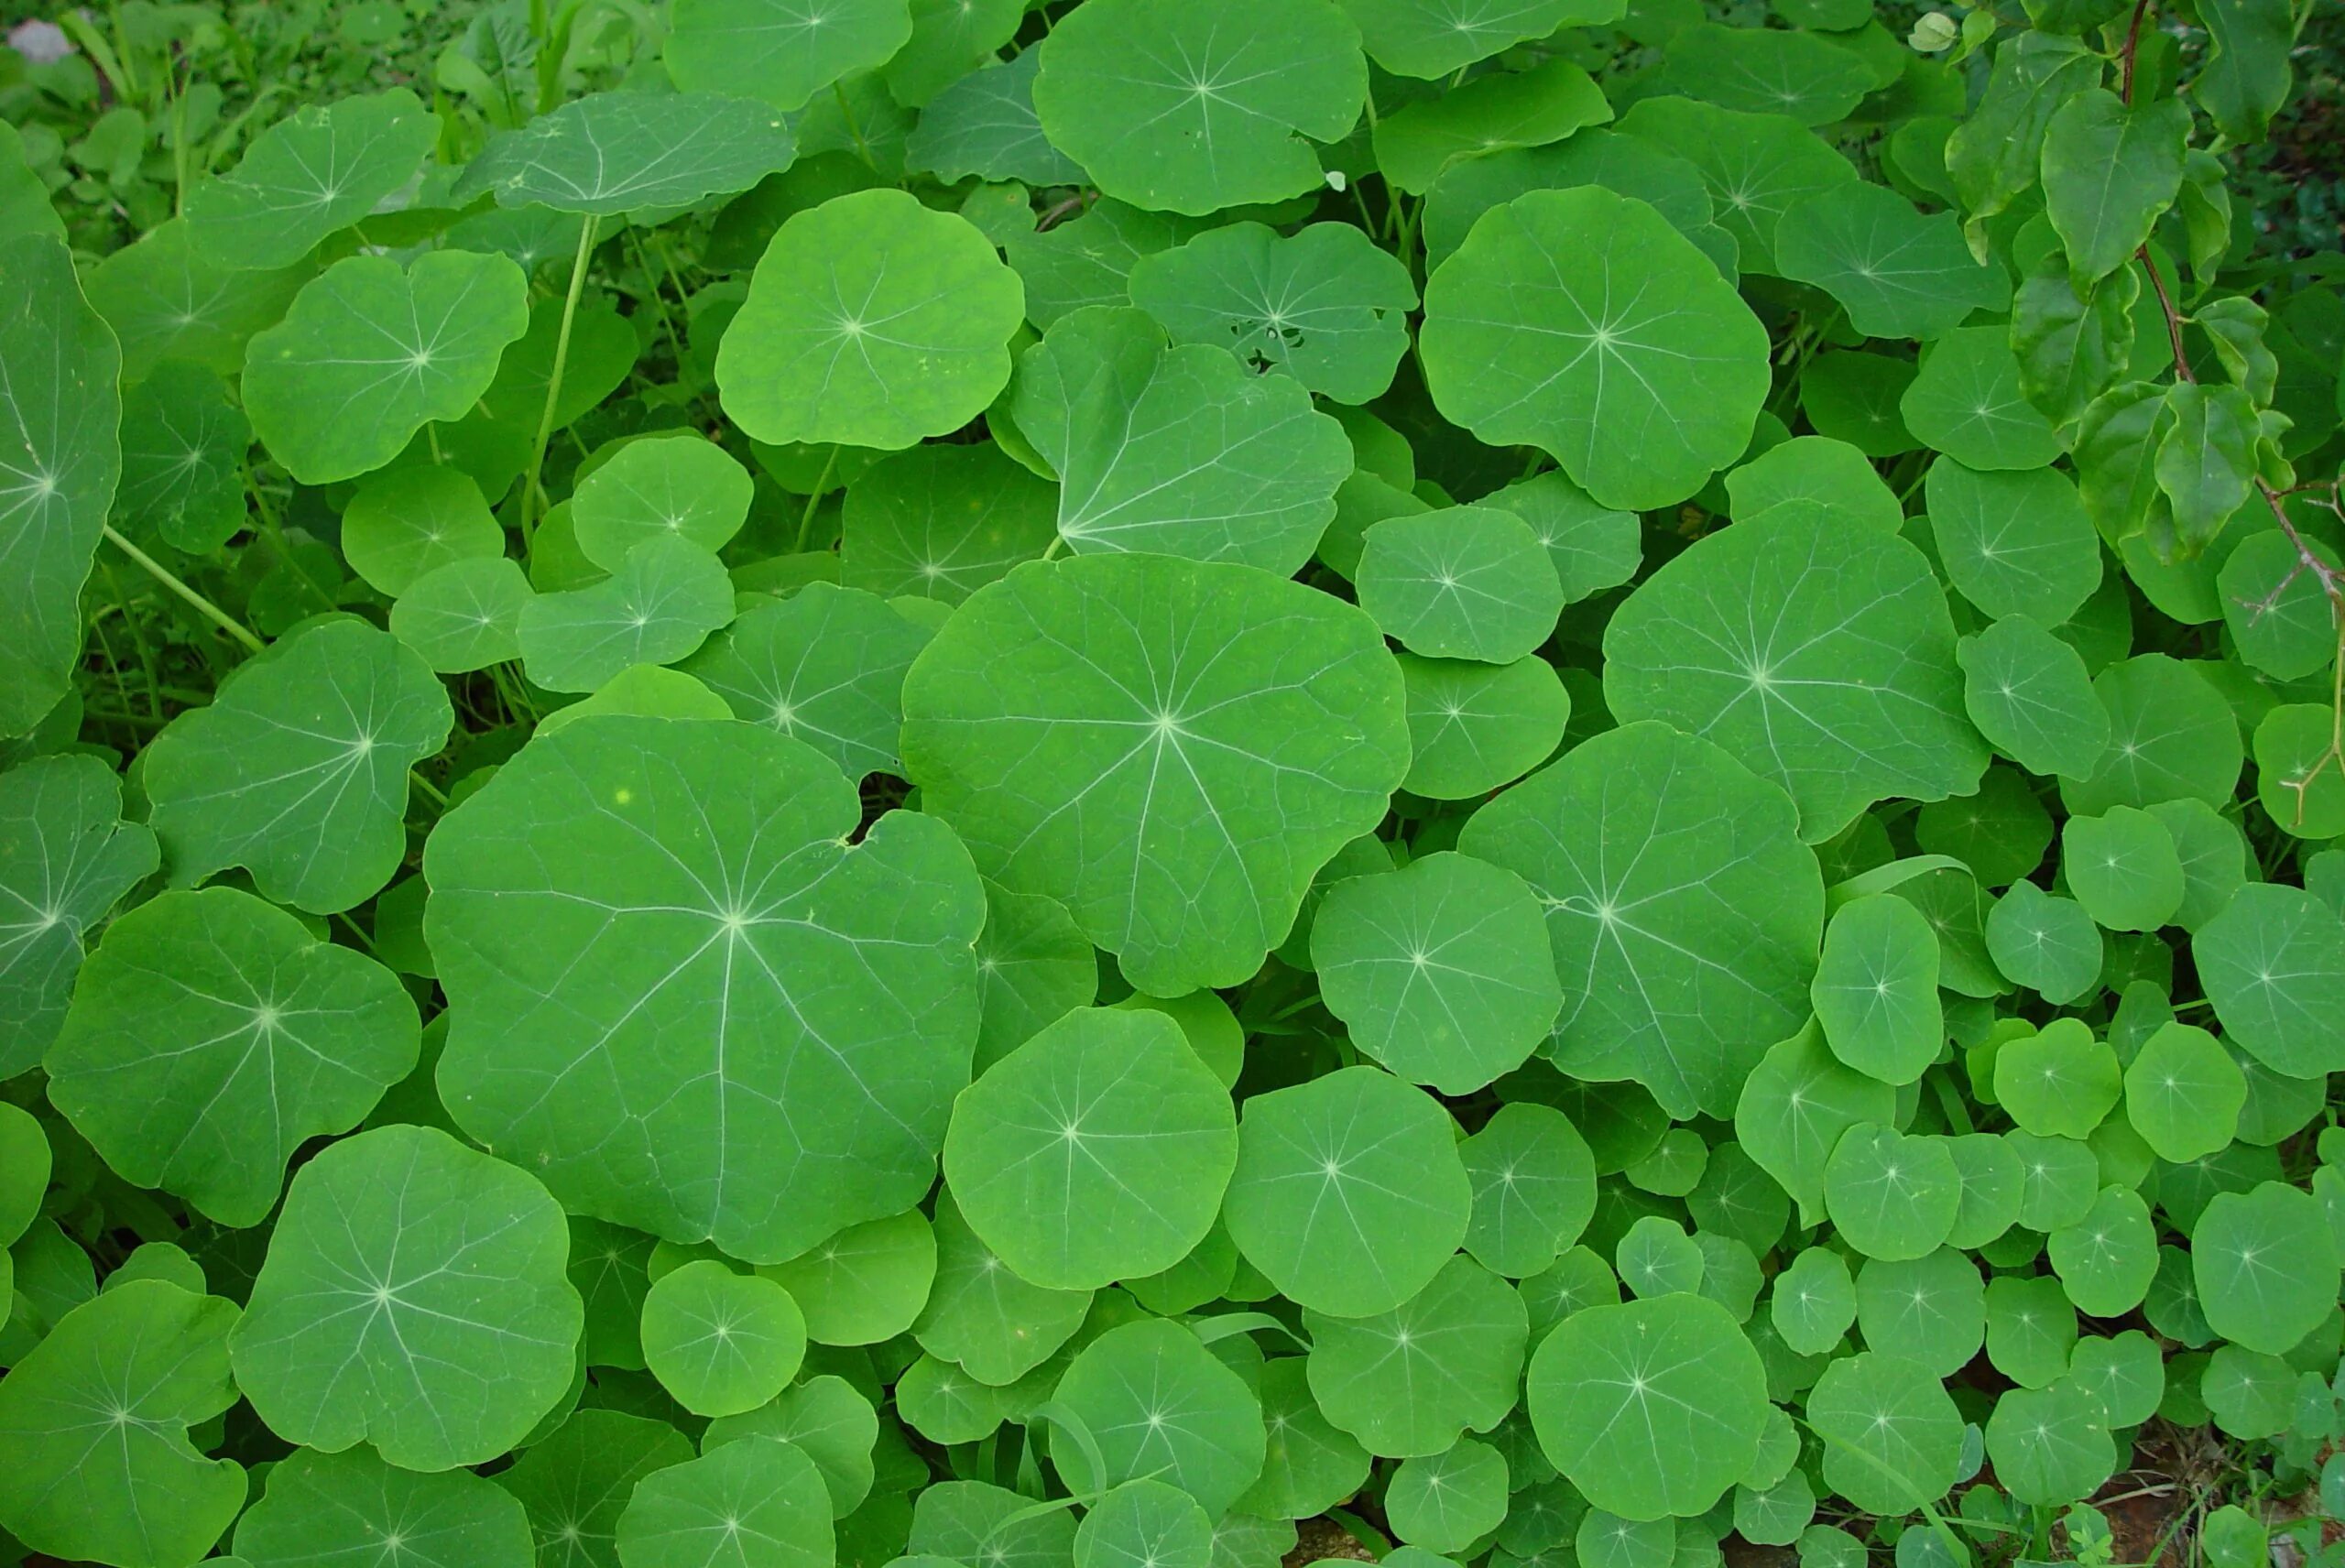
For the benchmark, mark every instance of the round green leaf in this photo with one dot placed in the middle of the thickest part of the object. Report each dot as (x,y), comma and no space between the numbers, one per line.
(1813,1301)
(824,666)
(866,1284)
(2050,1445)
(2045,943)
(2123,867)
(2184,1093)
(2013,543)
(325,1508)
(1534,1188)
(94,1431)
(2106,1260)
(1190,109)
(1308,1466)
(781,52)
(1144,1524)
(1634,364)
(1350,1195)
(2172,737)
(1406,1382)
(1425,39)
(1441,970)
(2028,693)
(759,1503)
(871,321)
(183,450)
(1876,989)
(2266,1266)
(408,522)
(2299,779)
(1931,1309)
(1462,583)
(1806,78)
(1070,724)
(66,856)
(1325,306)
(2031,1327)
(1890,1195)
(1652,1409)
(413,1298)
(757,950)
(297,770)
(1897,273)
(661,605)
(2275,608)
(212,1035)
(940,522)
(1683,911)
(1967,403)
(62,452)
(1794,1106)
(721,1342)
(1755,166)
(2274,963)
(664,486)
(981,1316)
(1447,1501)
(465,616)
(610,153)
(320,170)
(985,124)
(2059,1081)
(1160,1405)
(1473,727)
(575,1483)
(370,353)
(1176,450)
(1892,1437)
(1822,655)
(1096,1152)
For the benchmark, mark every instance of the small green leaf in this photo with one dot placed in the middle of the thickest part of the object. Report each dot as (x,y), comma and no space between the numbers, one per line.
(781,52)
(612,153)
(722,1343)
(759,1503)
(320,1507)
(318,171)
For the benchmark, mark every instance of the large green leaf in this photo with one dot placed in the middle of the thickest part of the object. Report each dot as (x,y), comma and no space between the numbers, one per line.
(413,1298)
(1683,911)
(61,456)
(1820,654)
(615,152)
(211,1036)
(297,770)
(322,1507)
(1581,322)
(1171,749)
(627,881)
(319,170)
(781,51)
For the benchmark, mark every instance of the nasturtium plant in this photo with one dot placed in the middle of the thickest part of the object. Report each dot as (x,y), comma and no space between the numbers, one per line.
(1145,783)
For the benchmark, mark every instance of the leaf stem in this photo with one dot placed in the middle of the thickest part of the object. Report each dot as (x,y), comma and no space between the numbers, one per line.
(429,790)
(534,491)
(806,519)
(204,607)
(2132,43)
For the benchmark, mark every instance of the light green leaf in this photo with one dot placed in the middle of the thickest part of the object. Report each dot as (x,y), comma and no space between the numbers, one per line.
(563,962)
(94,1431)
(661,486)
(781,52)
(183,450)
(940,521)
(1429,38)
(1890,1195)
(210,1035)
(2059,1081)
(1757,167)
(1821,655)
(1407,1381)
(316,171)
(2184,1093)
(982,1316)
(824,666)
(1324,305)
(60,456)
(1308,1466)
(2013,543)
(2027,692)
(1449,1501)
(322,1508)
(1967,403)
(1096,1152)
(1767,70)
(871,321)
(413,1298)
(665,599)
(1169,748)
(1473,727)
(1898,273)
(370,353)
(1683,913)
(1583,324)
(722,1343)
(1177,450)
(65,857)
(759,1503)
(1189,109)
(2107,1259)
(1892,1437)
(1160,1405)
(2045,943)
(1144,1524)
(1652,1409)
(1931,1309)
(2266,1266)
(610,153)
(408,522)
(1494,112)
(1534,1188)
(2051,1445)
(464,615)
(1461,582)
(297,770)
(576,1484)
(1350,1195)
(2123,867)
(1876,989)
(985,124)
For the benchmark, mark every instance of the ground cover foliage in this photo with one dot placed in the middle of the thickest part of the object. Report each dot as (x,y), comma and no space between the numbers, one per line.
(796,782)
